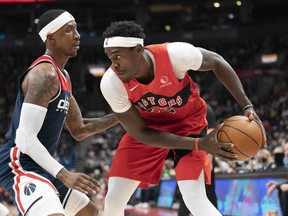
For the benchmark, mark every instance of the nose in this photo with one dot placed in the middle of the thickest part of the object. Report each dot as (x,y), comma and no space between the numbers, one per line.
(77,35)
(116,66)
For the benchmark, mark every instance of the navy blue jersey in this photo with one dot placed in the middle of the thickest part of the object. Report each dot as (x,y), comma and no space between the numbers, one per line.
(16,166)
(58,107)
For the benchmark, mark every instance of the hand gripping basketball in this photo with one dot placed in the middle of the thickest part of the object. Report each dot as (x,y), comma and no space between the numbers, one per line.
(251,114)
(211,145)
(244,133)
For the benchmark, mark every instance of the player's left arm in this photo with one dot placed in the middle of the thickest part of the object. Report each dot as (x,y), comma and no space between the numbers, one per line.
(225,73)
(228,77)
(80,127)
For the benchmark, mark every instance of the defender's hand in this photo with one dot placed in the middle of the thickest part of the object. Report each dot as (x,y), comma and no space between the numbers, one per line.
(210,144)
(79,181)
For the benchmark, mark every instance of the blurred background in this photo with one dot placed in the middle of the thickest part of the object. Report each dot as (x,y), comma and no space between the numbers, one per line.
(250,34)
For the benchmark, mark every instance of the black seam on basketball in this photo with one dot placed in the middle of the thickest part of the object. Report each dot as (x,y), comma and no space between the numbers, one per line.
(234,145)
(238,119)
(253,122)
(243,133)
(223,131)
(233,120)
(242,152)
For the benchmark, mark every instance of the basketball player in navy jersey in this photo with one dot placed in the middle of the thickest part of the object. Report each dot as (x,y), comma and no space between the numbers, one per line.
(159,106)
(38,183)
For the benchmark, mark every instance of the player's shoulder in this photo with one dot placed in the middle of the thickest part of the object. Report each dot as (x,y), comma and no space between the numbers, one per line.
(44,71)
(45,67)
(179,44)
(180,49)
(109,75)
(109,78)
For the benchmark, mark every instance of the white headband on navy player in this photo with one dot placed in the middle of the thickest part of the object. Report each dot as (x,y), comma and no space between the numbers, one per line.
(55,24)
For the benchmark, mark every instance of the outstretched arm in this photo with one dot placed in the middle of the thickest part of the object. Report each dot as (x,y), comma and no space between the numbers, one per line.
(81,128)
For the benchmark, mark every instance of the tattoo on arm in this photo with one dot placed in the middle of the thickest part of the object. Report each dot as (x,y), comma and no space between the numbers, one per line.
(100,124)
(42,86)
(74,115)
(81,128)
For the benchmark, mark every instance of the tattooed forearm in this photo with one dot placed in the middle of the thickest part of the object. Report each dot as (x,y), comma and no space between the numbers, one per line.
(100,124)
(81,128)
(74,114)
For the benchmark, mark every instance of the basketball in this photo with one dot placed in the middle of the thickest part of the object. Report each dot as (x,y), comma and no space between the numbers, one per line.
(246,136)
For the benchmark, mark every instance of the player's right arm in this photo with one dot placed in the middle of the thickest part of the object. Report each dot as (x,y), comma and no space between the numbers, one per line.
(134,124)
(39,86)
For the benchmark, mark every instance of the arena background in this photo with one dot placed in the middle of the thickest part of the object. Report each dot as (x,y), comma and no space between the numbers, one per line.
(250,34)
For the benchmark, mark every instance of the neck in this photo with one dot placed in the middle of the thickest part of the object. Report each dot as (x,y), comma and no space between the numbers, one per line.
(147,68)
(58,58)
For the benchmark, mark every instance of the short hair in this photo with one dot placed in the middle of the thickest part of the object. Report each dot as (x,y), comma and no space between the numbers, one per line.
(47,17)
(124,29)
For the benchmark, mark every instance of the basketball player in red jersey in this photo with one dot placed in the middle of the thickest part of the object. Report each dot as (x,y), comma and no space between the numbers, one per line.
(38,183)
(159,106)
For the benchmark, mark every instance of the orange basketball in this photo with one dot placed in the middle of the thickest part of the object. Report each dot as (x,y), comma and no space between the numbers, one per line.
(246,136)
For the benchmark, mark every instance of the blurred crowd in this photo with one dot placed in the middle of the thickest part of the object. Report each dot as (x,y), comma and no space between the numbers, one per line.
(265,84)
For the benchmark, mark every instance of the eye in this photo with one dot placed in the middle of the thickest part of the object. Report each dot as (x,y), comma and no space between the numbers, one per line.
(116,57)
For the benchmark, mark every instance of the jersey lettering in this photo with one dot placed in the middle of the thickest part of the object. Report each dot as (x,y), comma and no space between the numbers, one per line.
(158,103)
(63,105)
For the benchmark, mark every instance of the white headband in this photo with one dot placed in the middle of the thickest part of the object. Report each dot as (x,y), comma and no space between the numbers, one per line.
(55,24)
(123,42)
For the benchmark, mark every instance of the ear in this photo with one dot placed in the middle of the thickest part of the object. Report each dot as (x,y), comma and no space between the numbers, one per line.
(138,48)
(50,37)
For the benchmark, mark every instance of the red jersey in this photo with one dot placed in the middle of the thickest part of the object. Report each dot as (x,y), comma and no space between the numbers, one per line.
(166,104)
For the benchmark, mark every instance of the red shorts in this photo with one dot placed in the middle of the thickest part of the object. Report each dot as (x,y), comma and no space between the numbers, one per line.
(145,164)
